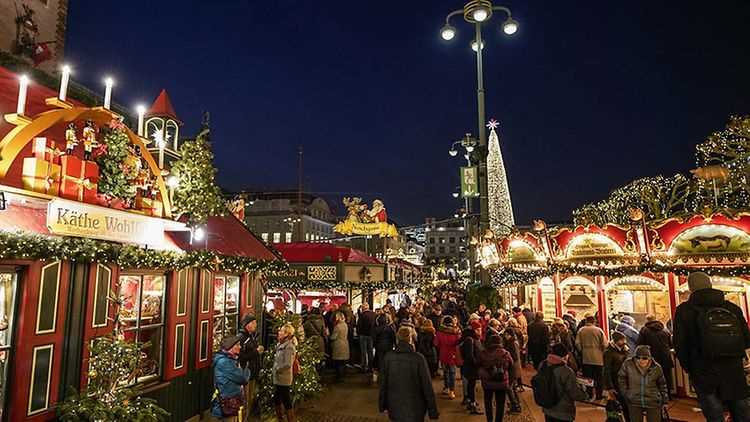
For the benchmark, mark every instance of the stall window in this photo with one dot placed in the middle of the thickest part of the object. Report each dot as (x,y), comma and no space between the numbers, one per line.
(7,307)
(226,307)
(142,319)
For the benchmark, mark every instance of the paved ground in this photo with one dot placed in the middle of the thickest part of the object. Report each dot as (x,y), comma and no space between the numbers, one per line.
(355,400)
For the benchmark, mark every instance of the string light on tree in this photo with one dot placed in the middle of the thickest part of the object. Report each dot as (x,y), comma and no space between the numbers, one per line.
(500,206)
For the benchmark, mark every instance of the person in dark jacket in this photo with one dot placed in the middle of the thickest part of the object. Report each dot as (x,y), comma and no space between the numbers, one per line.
(406,393)
(568,390)
(249,356)
(315,330)
(654,335)
(495,367)
(426,346)
(365,329)
(511,345)
(642,382)
(470,348)
(570,319)
(614,356)
(626,326)
(229,377)
(718,382)
(539,335)
(385,339)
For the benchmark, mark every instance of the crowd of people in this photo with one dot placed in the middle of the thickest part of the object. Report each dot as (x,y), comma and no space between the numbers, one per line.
(405,349)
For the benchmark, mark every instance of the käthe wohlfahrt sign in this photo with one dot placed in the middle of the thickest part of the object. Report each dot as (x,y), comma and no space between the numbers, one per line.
(69,218)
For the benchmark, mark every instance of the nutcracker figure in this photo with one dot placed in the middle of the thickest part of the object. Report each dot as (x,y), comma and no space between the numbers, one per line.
(71,141)
(89,140)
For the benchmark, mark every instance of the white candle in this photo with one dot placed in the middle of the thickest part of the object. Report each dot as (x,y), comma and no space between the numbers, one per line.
(108,83)
(141,109)
(23,84)
(64,82)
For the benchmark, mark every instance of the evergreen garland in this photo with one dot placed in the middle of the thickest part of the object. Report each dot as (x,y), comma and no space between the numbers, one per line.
(197,195)
(114,179)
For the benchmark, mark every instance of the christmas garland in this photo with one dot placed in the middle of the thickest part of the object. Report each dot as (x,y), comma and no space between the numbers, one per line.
(509,277)
(304,284)
(16,245)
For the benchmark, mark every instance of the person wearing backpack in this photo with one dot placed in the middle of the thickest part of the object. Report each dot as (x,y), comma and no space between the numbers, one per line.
(555,387)
(494,370)
(470,348)
(710,338)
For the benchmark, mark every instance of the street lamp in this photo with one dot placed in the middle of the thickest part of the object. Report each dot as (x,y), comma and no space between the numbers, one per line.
(478,13)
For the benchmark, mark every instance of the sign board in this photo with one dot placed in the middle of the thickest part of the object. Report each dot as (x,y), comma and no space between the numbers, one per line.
(469,182)
(70,218)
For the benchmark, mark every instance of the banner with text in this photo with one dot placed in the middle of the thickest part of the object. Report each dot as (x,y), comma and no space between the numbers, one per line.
(69,218)
(469,182)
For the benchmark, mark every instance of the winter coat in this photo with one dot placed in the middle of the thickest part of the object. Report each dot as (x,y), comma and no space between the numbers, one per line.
(366,323)
(426,345)
(282,363)
(340,341)
(644,388)
(249,357)
(538,337)
(724,377)
(654,334)
(613,360)
(315,329)
(385,341)
(631,334)
(515,352)
(523,323)
(229,378)
(446,341)
(495,357)
(572,324)
(406,386)
(567,389)
(470,350)
(590,342)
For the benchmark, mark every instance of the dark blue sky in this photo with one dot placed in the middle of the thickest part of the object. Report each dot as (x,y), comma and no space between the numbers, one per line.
(589,94)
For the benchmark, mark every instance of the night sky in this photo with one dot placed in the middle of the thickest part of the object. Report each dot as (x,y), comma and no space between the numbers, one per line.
(590,95)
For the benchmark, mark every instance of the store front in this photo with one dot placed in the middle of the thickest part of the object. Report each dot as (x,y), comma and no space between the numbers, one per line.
(638,296)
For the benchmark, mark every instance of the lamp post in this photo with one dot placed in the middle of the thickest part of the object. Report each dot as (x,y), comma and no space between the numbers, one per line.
(478,13)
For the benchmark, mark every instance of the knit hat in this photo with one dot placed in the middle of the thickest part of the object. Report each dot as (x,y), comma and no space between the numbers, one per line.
(572,312)
(248,318)
(699,281)
(643,351)
(448,321)
(616,336)
(229,342)
(629,320)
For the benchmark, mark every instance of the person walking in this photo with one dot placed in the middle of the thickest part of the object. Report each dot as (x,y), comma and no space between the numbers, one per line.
(470,349)
(365,329)
(590,342)
(614,357)
(539,337)
(710,339)
(315,330)
(283,373)
(654,335)
(642,382)
(250,358)
(405,392)
(563,379)
(495,370)
(626,326)
(426,345)
(446,341)
(385,340)
(229,378)
(340,345)
(511,345)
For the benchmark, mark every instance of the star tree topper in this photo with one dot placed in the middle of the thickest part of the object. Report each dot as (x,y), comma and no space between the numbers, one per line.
(493,124)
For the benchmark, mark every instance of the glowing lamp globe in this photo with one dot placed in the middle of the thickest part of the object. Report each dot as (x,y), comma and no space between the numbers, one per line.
(480,14)
(453,153)
(510,26)
(448,32)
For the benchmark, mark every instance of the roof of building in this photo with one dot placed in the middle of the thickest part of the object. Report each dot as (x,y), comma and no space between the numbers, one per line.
(227,236)
(162,107)
(322,252)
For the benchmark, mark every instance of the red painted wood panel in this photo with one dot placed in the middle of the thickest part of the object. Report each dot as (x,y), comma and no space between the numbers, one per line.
(90,332)
(204,317)
(173,319)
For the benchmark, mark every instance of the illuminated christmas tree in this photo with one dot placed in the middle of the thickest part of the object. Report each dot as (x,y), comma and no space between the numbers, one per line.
(501,209)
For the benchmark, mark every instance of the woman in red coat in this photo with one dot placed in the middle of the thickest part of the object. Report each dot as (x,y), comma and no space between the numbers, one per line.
(446,341)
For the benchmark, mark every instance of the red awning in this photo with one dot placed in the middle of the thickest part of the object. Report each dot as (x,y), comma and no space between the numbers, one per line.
(227,236)
(322,252)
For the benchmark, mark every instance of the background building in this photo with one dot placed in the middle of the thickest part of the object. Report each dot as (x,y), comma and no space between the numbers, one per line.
(445,240)
(288,216)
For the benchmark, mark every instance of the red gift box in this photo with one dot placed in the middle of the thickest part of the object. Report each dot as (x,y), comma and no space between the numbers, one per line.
(45,149)
(79,179)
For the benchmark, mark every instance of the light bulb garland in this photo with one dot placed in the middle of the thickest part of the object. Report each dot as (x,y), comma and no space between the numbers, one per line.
(500,206)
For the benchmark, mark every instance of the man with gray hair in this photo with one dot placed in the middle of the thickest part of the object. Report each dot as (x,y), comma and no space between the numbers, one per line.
(710,338)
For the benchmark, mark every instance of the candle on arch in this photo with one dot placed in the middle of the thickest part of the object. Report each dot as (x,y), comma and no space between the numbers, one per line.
(141,109)
(64,80)
(108,84)
(23,85)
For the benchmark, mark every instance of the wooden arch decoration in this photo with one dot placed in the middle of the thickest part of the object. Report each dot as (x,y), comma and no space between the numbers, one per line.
(17,139)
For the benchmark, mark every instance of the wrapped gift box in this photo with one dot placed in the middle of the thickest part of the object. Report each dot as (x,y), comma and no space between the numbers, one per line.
(45,149)
(79,179)
(41,176)
(152,207)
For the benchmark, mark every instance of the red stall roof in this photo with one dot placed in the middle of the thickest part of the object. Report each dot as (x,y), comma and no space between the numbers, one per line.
(227,236)
(322,252)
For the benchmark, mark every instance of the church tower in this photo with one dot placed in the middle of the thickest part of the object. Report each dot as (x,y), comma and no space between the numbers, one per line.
(162,129)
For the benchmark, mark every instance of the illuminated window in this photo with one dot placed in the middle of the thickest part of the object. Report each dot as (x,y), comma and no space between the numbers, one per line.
(226,299)
(264,236)
(276,237)
(287,237)
(7,308)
